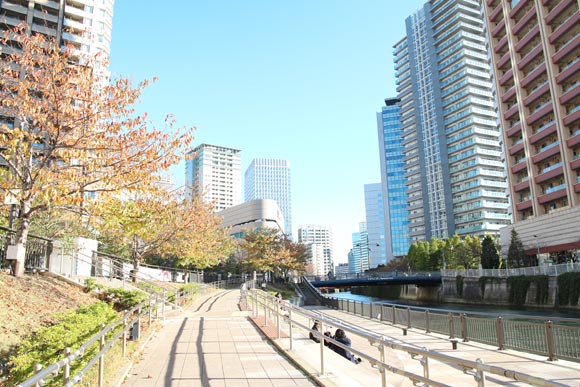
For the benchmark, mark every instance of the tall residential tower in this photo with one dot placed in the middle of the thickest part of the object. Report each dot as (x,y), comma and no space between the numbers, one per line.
(270,179)
(535,50)
(452,154)
(320,240)
(214,172)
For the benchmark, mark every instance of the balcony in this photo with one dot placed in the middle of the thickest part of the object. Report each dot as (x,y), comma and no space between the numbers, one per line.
(521,165)
(547,175)
(537,93)
(503,60)
(511,111)
(540,112)
(565,27)
(531,35)
(575,164)
(500,45)
(558,10)
(570,94)
(553,194)
(496,12)
(549,151)
(514,129)
(543,132)
(566,49)
(521,4)
(507,76)
(523,21)
(522,185)
(530,57)
(572,118)
(535,73)
(499,28)
(577,187)
(516,148)
(574,139)
(524,205)
(508,94)
(571,70)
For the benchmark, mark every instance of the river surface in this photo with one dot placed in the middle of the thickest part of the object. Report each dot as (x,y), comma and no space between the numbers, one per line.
(465,308)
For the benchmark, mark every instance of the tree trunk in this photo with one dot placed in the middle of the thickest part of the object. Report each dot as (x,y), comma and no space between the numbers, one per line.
(17,252)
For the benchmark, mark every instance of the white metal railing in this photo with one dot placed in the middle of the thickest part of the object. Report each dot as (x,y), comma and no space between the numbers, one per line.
(153,308)
(550,270)
(295,317)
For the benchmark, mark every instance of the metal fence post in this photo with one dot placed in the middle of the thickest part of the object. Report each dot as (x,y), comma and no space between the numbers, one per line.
(290,327)
(156,306)
(37,369)
(382,366)
(499,332)
(451,325)
(408,317)
(163,304)
(464,327)
(265,312)
(371,310)
(550,340)
(102,360)
(394,315)
(278,322)
(427,321)
(66,371)
(321,356)
(124,334)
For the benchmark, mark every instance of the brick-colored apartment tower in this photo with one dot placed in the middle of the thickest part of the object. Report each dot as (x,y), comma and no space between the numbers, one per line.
(535,51)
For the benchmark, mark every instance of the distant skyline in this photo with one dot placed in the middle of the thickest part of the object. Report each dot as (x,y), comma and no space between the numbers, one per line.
(300,81)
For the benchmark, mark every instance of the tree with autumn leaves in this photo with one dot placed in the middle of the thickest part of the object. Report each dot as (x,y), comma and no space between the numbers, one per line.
(267,250)
(72,141)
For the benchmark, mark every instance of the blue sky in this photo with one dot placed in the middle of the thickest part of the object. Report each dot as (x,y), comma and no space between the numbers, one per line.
(300,80)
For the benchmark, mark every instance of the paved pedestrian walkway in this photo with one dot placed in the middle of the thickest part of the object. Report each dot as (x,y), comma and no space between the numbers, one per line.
(213,343)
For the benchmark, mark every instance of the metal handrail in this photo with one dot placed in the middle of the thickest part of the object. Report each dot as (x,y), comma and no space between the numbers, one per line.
(552,337)
(148,307)
(478,369)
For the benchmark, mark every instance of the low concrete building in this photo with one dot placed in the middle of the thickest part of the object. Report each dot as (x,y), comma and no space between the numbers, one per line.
(255,214)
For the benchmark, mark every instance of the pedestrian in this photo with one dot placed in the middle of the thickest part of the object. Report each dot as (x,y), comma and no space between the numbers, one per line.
(340,336)
(312,336)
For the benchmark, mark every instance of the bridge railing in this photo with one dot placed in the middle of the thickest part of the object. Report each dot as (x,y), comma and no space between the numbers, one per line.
(292,319)
(555,338)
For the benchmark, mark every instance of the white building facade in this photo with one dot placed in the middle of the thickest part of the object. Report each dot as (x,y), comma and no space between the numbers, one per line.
(214,173)
(320,236)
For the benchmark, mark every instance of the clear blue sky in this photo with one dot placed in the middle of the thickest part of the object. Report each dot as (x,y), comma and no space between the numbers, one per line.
(300,80)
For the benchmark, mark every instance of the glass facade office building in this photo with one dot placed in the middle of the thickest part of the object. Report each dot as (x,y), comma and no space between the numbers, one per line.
(395,240)
(375,220)
(270,179)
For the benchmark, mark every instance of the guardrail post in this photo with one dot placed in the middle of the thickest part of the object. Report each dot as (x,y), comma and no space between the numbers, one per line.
(408,317)
(321,356)
(37,369)
(381,312)
(464,327)
(66,371)
(163,304)
(480,375)
(394,315)
(371,310)
(427,321)
(265,312)
(499,333)
(156,306)
(382,365)
(125,334)
(102,360)
(290,327)
(278,322)
(451,325)
(550,340)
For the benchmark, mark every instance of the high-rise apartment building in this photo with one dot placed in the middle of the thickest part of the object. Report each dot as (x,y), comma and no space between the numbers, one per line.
(452,153)
(535,51)
(321,236)
(214,172)
(270,179)
(85,24)
(375,224)
(360,252)
(394,190)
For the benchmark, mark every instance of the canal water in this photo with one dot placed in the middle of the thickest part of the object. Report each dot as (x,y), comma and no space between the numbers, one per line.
(552,313)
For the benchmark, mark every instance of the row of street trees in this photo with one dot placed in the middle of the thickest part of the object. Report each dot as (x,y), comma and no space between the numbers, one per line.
(78,160)
(455,253)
